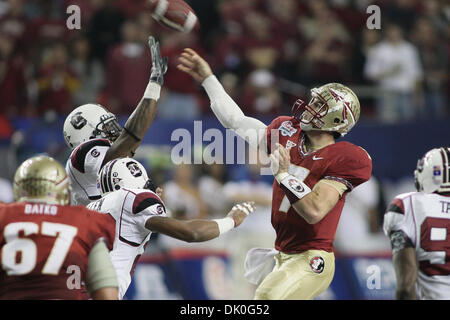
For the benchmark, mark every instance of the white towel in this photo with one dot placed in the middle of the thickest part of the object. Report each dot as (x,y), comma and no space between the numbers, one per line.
(258,263)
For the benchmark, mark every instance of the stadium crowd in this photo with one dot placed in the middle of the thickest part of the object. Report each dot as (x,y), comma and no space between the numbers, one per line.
(267,53)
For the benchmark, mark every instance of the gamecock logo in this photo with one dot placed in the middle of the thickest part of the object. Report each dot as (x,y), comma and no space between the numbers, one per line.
(134,169)
(78,121)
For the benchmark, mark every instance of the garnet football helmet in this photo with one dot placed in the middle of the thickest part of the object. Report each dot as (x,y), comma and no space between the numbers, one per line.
(41,179)
(90,121)
(333,107)
(124,173)
(433,171)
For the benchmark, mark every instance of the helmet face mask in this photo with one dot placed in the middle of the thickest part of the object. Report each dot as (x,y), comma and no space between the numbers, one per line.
(332,108)
(432,173)
(90,121)
(124,173)
(108,127)
(315,110)
(41,179)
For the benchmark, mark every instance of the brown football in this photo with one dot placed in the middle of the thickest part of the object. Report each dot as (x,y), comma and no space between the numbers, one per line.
(174,14)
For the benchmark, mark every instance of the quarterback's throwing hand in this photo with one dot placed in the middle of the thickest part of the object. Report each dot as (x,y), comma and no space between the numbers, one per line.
(159,64)
(240,211)
(194,65)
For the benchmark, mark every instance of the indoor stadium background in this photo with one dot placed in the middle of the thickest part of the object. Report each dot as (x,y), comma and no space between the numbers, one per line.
(267,53)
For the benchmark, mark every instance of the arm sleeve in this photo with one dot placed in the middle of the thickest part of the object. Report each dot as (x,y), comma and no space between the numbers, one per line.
(231,116)
(100,271)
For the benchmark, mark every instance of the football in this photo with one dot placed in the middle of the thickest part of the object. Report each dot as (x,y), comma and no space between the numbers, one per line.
(174,14)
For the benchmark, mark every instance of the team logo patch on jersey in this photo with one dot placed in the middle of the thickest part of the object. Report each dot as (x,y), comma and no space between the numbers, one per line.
(290,144)
(317,264)
(95,153)
(294,184)
(159,209)
(287,129)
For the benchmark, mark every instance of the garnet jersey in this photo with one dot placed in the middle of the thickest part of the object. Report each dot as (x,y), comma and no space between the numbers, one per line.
(43,247)
(425,219)
(82,167)
(131,208)
(342,161)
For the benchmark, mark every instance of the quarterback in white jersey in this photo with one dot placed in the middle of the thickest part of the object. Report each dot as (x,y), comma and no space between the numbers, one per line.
(129,196)
(95,136)
(418,224)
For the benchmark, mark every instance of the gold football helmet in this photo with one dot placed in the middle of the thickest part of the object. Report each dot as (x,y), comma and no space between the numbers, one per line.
(41,179)
(333,107)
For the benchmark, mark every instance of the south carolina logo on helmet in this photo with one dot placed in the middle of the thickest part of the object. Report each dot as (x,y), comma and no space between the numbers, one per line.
(90,121)
(124,173)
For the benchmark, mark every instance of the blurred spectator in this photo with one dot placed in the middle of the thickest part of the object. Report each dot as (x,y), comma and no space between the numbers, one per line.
(359,230)
(394,66)
(147,26)
(128,70)
(260,95)
(437,15)
(327,45)
(104,27)
(89,71)
(15,24)
(230,83)
(49,26)
(260,48)
(181,194)
(434,58)
(284,15)
(13,85)
(211,187)
(56,81)
(180,98)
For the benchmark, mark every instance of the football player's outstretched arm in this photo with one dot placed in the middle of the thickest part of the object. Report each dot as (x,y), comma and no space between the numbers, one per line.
(198,230)
(142,117)
(406,269)
(226,110)
(312,205)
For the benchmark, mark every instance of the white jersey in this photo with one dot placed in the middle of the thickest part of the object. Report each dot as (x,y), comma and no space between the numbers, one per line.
(425,219)
(83,167)
(131,208)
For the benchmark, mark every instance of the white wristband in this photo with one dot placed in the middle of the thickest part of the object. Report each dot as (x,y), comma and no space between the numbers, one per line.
(225,224)
(294,188)
(281,176)
(152,91)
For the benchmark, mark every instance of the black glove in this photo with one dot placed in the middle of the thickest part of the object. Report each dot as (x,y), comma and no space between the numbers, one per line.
(159,64)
